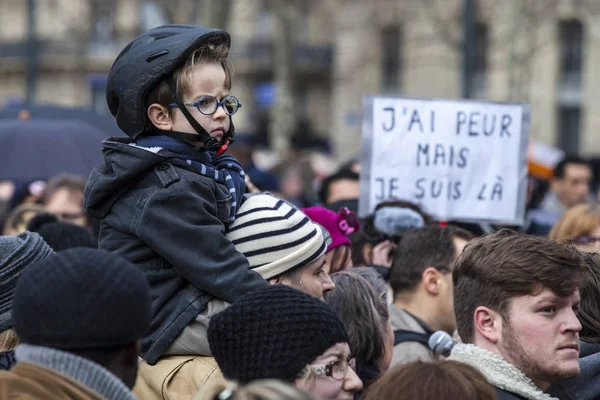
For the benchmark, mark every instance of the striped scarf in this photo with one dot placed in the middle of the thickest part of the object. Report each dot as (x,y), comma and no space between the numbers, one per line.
(224,169)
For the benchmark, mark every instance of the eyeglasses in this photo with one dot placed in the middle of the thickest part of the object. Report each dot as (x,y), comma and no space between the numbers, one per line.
(335,369)
(208,105)
(585,239)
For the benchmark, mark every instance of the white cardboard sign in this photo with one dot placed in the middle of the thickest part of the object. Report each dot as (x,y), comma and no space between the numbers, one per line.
(459,160)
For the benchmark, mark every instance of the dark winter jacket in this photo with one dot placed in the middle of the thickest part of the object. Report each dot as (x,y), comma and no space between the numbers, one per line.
(169,220)
(504,395)
(7,360)
(585,386)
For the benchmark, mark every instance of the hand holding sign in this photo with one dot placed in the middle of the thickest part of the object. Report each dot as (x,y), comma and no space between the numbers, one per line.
(459,159)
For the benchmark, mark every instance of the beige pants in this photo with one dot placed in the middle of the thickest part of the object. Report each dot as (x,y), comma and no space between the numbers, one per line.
(194,338)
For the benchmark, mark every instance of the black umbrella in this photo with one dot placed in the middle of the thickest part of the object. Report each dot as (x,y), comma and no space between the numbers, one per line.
(42,148)
(87,115)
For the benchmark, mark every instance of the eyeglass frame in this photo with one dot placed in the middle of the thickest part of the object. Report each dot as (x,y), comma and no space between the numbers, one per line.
(221,103)
(327,369)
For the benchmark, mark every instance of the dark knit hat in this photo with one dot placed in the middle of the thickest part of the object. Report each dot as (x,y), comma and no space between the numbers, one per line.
(16,254)
(61,235)
(273,333)
(82,299)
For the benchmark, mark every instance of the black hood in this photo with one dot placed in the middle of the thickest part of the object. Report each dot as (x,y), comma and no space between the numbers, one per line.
(124,164)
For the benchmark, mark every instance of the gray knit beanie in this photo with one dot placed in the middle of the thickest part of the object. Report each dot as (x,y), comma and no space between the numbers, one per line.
(16,254)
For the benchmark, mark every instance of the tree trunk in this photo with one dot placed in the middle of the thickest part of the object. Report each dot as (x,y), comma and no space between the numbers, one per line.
(215,13)
(283,118)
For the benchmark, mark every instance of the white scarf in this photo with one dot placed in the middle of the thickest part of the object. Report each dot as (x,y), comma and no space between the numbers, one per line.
(498,371)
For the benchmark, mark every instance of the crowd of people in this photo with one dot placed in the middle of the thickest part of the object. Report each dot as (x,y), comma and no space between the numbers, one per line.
(172,273)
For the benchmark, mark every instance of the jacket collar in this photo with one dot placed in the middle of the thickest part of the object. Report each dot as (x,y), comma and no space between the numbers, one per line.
(498,371)
(84,371)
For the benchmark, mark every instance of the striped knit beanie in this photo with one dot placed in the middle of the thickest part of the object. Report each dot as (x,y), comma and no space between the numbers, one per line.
(275,236)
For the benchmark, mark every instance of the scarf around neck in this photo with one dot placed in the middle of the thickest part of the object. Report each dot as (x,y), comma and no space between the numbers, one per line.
(224,169)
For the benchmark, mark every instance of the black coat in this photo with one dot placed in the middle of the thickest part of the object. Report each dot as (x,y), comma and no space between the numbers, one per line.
(7,360)
(584,386)
(504,395)
(169,220)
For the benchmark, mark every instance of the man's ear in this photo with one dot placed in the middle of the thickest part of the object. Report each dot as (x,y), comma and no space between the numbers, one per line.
(275,281)
(159,116)
(488,324)
(430,278)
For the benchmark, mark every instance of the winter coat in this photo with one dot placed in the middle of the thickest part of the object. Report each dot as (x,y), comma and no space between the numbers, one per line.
(7,360)
(585,386)
(511,383)
(45,373)
(406,352)
(176,377)
(505,395)
(169,220)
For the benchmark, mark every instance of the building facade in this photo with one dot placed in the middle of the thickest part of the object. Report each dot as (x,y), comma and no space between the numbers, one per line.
(541,52)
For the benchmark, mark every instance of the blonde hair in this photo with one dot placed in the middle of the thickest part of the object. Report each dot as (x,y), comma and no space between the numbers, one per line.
(19,217)
(257,390)
(306,379)
(207,53)
(579,220)
(8,340)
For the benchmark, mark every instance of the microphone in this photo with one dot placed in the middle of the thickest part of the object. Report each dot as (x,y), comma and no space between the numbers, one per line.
(441,342)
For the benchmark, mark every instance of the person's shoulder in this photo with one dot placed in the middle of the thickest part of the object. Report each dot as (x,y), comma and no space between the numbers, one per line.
(401,320)
(406,352)
(29,382)
(182,182)
(176,377)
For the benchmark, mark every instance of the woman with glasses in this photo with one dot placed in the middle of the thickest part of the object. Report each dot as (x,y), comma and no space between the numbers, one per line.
(282,333)
(579,226)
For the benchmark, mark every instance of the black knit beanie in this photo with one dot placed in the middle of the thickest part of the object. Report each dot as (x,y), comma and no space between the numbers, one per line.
(61,235)
(81,299)
(273,333)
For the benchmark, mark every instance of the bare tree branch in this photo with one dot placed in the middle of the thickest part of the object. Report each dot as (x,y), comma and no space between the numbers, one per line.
(443,27)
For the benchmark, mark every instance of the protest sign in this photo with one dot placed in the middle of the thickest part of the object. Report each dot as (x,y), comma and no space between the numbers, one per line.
(459,160)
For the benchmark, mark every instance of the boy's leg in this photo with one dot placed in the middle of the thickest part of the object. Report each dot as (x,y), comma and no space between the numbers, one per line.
(194,338)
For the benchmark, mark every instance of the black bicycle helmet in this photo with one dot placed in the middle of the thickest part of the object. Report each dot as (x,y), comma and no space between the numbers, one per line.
(146,61)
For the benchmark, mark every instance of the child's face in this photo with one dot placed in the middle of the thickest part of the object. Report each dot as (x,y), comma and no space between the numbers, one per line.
(205,79)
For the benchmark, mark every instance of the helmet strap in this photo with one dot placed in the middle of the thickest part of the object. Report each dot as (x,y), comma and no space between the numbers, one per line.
(208,142)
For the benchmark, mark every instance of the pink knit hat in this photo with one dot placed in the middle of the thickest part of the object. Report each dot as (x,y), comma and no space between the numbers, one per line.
(338,225)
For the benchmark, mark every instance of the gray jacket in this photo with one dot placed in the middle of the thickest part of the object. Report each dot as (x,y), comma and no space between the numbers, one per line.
(406,352)
(160,214)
